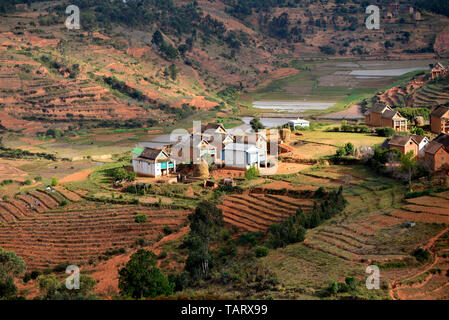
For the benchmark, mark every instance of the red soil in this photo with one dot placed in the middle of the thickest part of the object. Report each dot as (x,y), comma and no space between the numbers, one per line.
(79,176)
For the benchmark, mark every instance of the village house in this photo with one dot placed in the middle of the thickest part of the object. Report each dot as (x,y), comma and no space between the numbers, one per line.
(244,156)
(404,144)
(439,119)
(422,143)
(218,137)
(194,149)
(298,123)
(258,139)
(384,116)
(437,153)
(439,71)
(149,162)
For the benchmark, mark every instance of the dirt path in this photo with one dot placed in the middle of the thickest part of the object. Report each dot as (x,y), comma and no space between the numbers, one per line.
(395,284)
(107,275)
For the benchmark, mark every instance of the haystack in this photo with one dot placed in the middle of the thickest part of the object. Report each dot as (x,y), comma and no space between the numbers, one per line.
(201,170)
(286,135)
(419,121)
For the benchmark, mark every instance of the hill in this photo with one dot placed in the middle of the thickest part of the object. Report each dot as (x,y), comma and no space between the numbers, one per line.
(161,61)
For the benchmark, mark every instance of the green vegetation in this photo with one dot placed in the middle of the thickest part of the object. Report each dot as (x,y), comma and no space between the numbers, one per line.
(52,289)
(11,266)
(140,278)
(252,173)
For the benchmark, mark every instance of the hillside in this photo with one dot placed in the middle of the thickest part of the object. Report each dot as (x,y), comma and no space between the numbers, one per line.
(420,92)
(163,61)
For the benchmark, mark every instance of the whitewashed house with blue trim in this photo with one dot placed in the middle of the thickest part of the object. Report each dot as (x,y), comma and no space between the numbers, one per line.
(149,162)
(244,156)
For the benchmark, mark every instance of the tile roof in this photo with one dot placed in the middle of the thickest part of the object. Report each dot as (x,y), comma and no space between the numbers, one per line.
(443,139)
(433,147)
(378,108)
(399,140)
(417,138)
(439,111)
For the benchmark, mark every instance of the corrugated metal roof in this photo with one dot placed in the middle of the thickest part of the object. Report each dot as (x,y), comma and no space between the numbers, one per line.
(137,151)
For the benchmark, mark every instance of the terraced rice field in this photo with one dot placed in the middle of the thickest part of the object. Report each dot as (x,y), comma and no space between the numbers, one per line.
(257,211)
(431,281)
(432,94)
(46,239)
(425,209)
(44,234)
(24,206)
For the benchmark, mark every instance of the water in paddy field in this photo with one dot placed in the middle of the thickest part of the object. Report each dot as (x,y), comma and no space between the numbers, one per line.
(292,106)
(385,72)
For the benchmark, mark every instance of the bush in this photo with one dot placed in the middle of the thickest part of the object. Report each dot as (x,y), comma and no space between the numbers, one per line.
(422,255)
(54,182)
(250,238)
(261,252)
(252,173)
(385,132)
(167,230)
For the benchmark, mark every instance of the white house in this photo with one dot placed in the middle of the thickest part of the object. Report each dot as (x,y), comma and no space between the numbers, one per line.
(216,135)
(149,162)
(422,143)
(244,156)
(293,124)
(194,149)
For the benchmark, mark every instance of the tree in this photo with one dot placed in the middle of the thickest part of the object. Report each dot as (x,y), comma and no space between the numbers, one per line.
(119,174)
(349,148)
(205,223)
(172,72)
(11,265)
(408,164)
(158,39)
(141,219)
(418,131)
(140,277)
(54,182)
(256,124)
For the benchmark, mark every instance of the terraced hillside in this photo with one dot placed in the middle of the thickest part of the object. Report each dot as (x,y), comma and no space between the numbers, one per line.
(431,95)
(39,95)
(24,206)
(257,211)
(45,235)
(421,92)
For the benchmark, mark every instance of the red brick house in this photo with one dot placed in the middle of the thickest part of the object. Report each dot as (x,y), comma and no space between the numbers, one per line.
(404,144)
(439,119)
(439,71)
(384,116)
(437,153)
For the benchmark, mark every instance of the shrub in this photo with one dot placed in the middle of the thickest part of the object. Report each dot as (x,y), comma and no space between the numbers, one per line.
(261,252)
(422,255)
(252,173)
(250,238)
(167,230)
(54,182)
(385,132)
